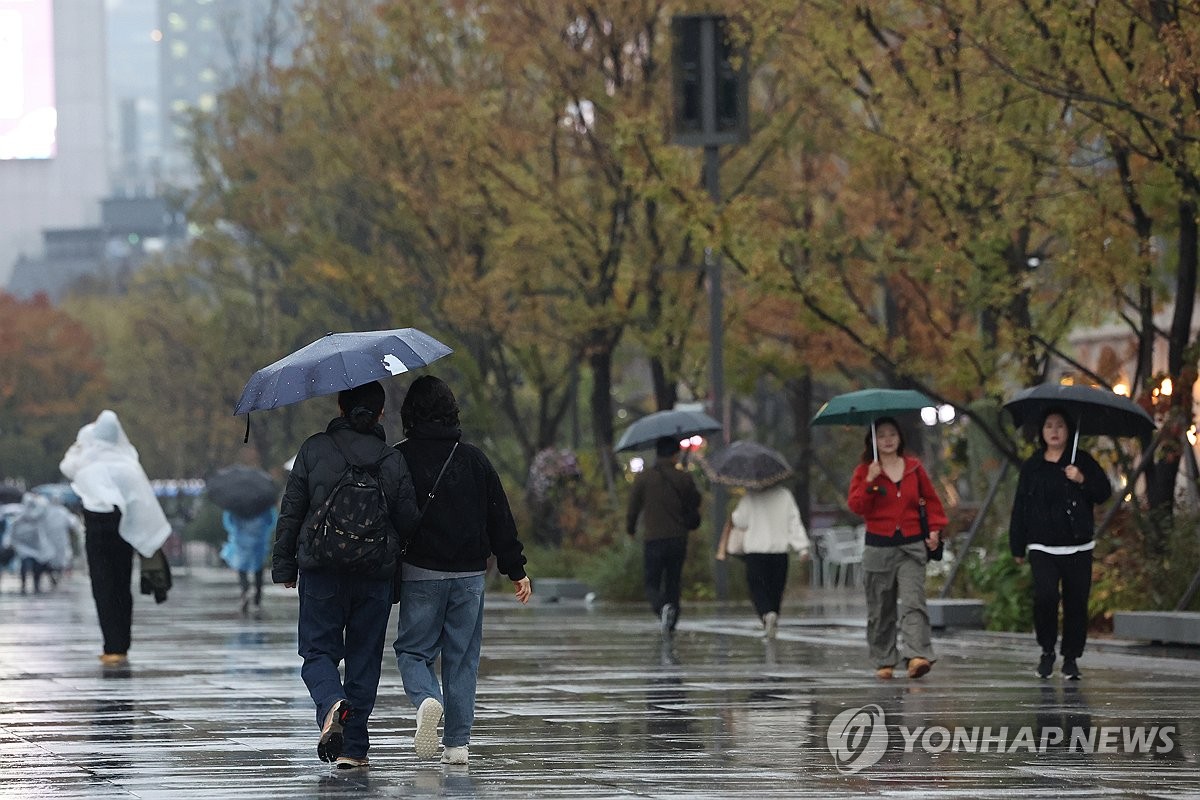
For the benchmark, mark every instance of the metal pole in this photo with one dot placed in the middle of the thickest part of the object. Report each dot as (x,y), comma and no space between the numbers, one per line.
(712,182)
(960,552)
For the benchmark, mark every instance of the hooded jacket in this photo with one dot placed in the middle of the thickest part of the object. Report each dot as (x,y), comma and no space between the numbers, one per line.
(1045,495)
(469,518)
(318,467)
(889,507)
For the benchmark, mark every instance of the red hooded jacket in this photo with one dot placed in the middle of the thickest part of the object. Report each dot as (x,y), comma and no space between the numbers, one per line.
(889,507)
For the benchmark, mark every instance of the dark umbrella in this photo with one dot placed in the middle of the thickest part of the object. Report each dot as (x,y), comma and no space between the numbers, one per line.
(1094,412)
(747,464)
(10,493)
(245,491)
(675,422)
(867,405)
(338,361)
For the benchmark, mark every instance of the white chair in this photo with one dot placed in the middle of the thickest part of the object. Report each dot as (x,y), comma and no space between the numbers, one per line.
(840,549)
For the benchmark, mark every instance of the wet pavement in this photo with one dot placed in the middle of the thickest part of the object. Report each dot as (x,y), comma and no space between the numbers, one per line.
(585,701)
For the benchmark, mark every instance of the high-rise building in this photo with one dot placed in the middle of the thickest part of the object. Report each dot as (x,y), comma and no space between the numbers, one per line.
(53,121)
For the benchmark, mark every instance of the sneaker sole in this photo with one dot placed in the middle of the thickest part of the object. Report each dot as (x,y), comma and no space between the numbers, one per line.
(425,740)
(329,747)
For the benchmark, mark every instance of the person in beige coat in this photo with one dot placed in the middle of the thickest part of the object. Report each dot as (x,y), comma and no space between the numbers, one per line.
(764,525)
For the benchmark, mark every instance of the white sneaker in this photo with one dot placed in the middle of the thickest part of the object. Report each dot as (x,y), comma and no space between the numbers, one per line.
(455,755)
(770,624)
(425,741)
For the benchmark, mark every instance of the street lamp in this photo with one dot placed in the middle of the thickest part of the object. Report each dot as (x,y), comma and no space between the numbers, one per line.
(710,97)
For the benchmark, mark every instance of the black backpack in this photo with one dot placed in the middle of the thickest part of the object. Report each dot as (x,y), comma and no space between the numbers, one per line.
(350,531)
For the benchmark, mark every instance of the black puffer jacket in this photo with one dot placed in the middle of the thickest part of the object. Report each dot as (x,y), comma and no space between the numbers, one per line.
(319,465)
(469,519)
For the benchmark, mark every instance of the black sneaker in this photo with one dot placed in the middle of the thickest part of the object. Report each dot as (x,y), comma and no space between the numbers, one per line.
(1046,665)
(1071,669)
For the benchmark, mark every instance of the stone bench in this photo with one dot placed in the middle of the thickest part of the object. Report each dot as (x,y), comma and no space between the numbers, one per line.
(551,590)
(1176,627)
(955,613)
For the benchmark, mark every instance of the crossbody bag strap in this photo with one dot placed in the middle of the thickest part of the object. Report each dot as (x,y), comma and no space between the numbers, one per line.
(436,481)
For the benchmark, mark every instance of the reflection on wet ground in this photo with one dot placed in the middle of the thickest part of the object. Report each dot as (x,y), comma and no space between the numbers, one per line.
(582,701)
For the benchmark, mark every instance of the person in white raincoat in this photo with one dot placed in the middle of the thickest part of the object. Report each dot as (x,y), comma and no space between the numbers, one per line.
(40,533)
(121,515)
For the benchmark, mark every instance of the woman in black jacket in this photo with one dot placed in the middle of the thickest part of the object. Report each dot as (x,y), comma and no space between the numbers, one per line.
(1052,521)
(344,606)
(465,519)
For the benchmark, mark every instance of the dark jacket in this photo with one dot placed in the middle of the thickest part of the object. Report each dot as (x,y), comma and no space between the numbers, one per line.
(1051,510)
(469,519)
(658,496)
(318,467)
(887,507)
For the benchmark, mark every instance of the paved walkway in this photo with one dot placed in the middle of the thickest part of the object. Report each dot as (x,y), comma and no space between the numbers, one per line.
(578,701)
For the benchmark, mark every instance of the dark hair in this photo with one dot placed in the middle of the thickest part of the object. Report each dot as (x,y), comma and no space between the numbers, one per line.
(868,454)
(429,399)
(362,405)
(666,446)
(1062,412)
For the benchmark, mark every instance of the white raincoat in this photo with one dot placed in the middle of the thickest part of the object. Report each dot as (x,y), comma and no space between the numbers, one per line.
(104,471)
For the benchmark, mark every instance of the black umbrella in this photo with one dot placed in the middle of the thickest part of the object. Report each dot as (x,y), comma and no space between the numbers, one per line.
(1094,412)
(747,464)
(338,361)
(245,491)
(675,422)
(10,493)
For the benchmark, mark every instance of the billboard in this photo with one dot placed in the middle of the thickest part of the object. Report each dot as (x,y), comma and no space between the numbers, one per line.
(28,116)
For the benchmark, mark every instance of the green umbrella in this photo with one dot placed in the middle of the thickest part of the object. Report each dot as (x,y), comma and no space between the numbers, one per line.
(867,405)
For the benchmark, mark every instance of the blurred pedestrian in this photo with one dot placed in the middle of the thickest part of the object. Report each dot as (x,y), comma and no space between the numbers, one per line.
(245,549)
(887,491)
(121,516)
(465,519)
(764,525)
(40,535)
(1052,522)
(662,497)
(345,477)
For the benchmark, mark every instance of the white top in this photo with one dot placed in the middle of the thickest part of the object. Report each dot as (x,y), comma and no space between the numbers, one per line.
(771,521)
(104,471)
(1062,550)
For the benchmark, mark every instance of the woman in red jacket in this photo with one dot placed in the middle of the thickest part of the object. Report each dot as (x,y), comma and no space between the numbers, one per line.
(886,492)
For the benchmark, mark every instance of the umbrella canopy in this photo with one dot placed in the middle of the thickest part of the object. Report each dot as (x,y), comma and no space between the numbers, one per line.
(1094,412)
(676,422)
(867,405)
(747,464)
(338,361)
(10,493)
(245,491)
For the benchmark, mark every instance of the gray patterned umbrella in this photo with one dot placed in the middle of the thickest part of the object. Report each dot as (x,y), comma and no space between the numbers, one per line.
(747,464)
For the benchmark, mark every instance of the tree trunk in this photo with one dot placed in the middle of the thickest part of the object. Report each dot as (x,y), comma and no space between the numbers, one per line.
(800,396)
(600,363)
(665,394)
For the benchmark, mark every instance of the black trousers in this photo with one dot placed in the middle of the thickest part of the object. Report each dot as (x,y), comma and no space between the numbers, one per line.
(766,576)
(244,583)
(110,564)
(1073,573)
(663,571)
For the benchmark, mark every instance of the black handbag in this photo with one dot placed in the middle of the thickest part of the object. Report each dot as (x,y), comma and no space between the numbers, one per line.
(936,553)
(397,578)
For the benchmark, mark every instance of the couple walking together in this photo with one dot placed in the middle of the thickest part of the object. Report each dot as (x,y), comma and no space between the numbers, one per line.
(446,514)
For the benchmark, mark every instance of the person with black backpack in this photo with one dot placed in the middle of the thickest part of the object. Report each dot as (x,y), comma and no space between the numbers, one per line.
(348,505)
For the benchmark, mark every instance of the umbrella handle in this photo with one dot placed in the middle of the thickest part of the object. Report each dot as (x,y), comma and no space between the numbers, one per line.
(1075,445)
(874,446)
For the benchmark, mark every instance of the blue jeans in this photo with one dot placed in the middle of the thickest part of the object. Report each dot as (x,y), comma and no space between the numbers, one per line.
(343,617)
(442,617)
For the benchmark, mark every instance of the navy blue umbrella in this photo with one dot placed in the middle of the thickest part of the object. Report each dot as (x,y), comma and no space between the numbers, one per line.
(338,361)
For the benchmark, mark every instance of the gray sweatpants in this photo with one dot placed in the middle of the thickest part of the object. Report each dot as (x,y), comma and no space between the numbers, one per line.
(895,583)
